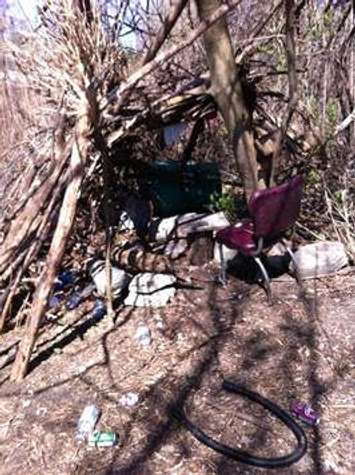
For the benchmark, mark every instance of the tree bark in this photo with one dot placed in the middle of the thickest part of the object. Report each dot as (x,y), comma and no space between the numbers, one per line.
(227,90)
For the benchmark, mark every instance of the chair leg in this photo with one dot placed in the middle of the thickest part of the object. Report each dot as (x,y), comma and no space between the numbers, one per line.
(266,279)
(292,256)
(222,278)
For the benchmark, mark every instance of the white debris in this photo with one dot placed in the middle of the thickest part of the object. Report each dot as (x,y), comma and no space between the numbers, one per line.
(278,249)
(228,254)
(143,336)
(126,223)
(173,249)
(150,290)
(160,324)
(180,226)
(119,278)
(129,399)
(320,259)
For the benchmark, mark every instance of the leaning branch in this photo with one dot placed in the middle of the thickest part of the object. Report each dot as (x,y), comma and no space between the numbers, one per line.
(345,123)
(168,24)
(55,254)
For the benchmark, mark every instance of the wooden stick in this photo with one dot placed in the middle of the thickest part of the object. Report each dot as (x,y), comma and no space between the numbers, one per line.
(27,220)
(292,81)
(36,245)
(107,184)
(175,10)
(54,257)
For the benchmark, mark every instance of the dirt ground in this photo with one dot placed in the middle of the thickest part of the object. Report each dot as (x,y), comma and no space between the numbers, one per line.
(300,348)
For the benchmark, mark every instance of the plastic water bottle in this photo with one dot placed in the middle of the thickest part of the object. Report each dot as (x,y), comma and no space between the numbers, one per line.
(143,336)
(99,309)
(87,422)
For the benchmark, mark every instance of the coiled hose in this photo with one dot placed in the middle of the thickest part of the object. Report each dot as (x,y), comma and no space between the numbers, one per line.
(239,454)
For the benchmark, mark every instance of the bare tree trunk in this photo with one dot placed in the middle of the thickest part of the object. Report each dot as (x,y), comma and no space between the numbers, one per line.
(226,88)
(292,87)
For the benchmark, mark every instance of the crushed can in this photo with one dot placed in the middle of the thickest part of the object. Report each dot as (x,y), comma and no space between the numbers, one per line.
(304,412)
(102,439)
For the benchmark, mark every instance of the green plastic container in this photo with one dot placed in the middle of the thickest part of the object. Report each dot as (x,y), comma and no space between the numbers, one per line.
(176,189)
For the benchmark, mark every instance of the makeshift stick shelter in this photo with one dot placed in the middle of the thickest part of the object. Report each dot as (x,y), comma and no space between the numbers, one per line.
(94,94)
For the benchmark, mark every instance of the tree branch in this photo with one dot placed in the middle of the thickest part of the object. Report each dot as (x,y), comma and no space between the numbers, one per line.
(168,24)
(119,94)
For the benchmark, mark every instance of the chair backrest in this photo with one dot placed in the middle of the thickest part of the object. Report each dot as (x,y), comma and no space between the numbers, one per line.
(275,209)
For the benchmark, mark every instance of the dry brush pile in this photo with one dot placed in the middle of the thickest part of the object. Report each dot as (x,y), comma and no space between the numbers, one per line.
(98,102)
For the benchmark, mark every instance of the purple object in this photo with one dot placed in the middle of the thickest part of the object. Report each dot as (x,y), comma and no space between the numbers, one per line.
(240,236)
(78,296)
(272,211)
(73,301)
(54,301)
(64,278)
(276,209)
(304,412)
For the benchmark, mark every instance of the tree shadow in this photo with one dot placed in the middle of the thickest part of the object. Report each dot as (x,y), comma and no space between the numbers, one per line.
(256,349)
(161,432)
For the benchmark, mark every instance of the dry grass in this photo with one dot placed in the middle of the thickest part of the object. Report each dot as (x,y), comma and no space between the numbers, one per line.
(48,72)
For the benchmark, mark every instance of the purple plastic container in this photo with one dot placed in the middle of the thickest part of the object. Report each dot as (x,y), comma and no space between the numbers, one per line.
(304,412)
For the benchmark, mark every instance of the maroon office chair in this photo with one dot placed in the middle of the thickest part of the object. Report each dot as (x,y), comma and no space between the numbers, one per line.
(272,211)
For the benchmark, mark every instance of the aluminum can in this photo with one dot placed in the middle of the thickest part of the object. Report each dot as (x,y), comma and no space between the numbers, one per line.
(102,439)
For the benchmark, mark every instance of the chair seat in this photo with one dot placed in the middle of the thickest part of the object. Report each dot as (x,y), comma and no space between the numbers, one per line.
(239,237)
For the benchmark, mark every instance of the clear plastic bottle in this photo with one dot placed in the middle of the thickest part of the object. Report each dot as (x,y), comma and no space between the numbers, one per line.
(87,422)
(143,336)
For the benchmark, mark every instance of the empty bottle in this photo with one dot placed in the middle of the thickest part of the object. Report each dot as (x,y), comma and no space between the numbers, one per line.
(99,309)
(143,336)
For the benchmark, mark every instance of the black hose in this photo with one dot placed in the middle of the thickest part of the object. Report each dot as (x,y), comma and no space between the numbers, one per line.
(239,454)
